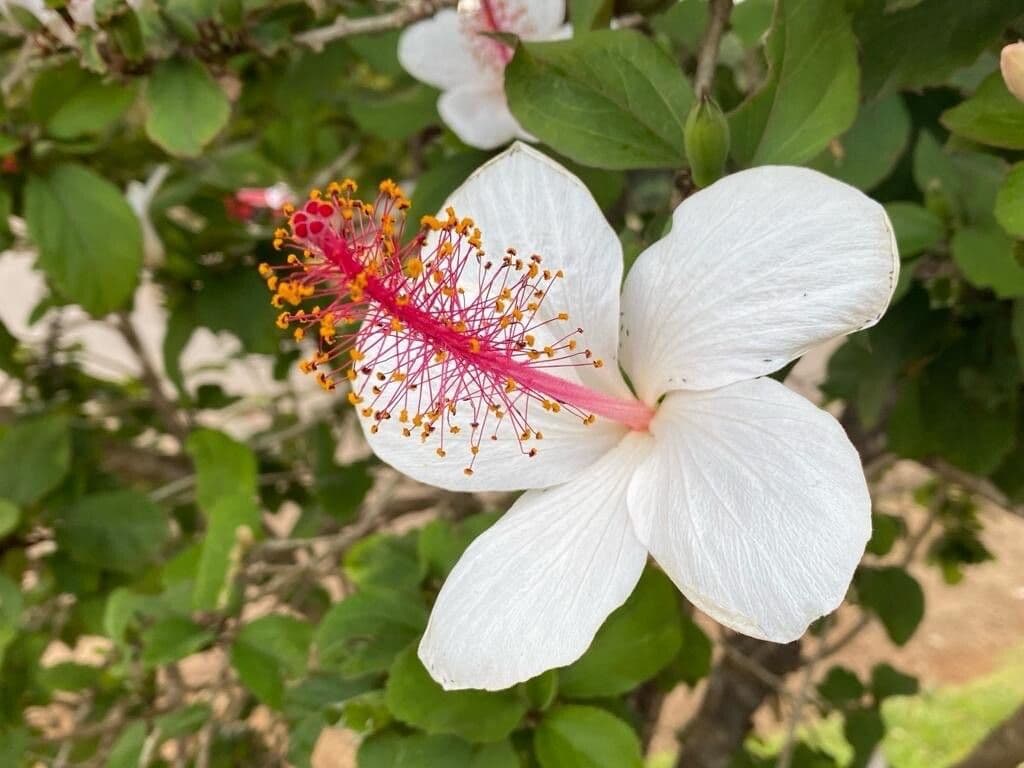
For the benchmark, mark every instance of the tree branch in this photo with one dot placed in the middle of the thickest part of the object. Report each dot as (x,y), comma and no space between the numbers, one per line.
(707,58)
(414,10)
(173,420)
(1004,745)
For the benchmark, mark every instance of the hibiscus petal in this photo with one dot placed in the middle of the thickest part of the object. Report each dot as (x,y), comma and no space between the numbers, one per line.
(479,115)
(540,18)
(530,593)
(437,51)
(754,502)
(758,268)
(522,199)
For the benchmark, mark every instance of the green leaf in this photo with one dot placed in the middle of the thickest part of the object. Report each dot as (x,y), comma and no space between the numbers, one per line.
(384,561)
(397,114)
(478,716)
(366,631)
(991,116)
(636,641)
(1010,202)
(693,663)
(608,99)
(13,745)
(269,652)
(90,242)
(224,467)
(840,686)
(232,522)
(10,613)
(867,153)
(127,748)
(987,259)
(895,597)
(395,750)
(887,681)
(10,517)
(70,102)
(810,96)
(585,15)
(542,689)
(864,730)
(186,107)
(574,736)
(118,531)
(435,185)
(959,185)
(68,676)
(172,639)
(35,456)
(885,529)
(917,228)
(923,45)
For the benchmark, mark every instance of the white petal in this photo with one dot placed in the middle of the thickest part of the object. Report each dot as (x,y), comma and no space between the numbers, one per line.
(502,464)
(754,502)
(479,115)
(758,268)
(529,594)
(437,51)
(540,18)
(523,199)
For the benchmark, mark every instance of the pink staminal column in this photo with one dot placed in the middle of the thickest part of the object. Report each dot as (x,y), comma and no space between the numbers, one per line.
(434,335)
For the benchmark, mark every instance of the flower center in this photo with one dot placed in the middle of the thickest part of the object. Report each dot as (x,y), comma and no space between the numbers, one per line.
(493,16)
(434,335)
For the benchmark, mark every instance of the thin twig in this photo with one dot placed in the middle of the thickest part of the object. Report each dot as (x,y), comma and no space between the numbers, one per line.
(979,486)
(796,715)
(173,419)
(707,59)
(343,26)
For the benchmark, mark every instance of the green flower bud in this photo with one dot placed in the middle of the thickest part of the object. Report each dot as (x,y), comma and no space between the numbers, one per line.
(707,141)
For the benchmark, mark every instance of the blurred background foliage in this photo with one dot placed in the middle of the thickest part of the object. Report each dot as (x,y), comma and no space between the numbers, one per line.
(229,572)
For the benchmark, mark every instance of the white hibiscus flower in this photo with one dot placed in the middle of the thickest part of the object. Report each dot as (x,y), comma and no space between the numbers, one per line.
(470,373)
(452,51)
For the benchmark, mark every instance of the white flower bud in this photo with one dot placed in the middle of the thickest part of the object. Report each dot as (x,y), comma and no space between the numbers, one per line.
(1012,63)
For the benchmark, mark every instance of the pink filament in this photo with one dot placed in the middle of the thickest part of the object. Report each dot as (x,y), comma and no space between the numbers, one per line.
(432,343)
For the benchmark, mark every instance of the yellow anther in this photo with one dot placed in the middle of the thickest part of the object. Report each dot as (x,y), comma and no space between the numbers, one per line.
(467,471)
(398,376)
(441,452)
(599,363)
(563,315)
(282,320)
(314,194)
(354,398)
(355,354)
(474,345)
(264,269)
(510,385)
(347,185)
(414,267)
(299,334)
(529,339)
(397,325)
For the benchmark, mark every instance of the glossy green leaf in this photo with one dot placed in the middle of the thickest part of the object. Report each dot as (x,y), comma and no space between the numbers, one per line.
(224,467)
(840,686)
(1010,202)
(810,96)
(10,517)
(864,730)
(128,746)
(574,736)
(867,153)
(90,242)
(917,229)
(119,531)
(71,102)
(172,639)
(991,116)
(585,15)
(895,597)
(270,651)
(885,529)
(988,259)
(887,681)
(10,613)
(232,523)
(922,45)
(610,99)
(186,108)
(366,631)
(35,455)
(635,642)
(478,716)
(395,750)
